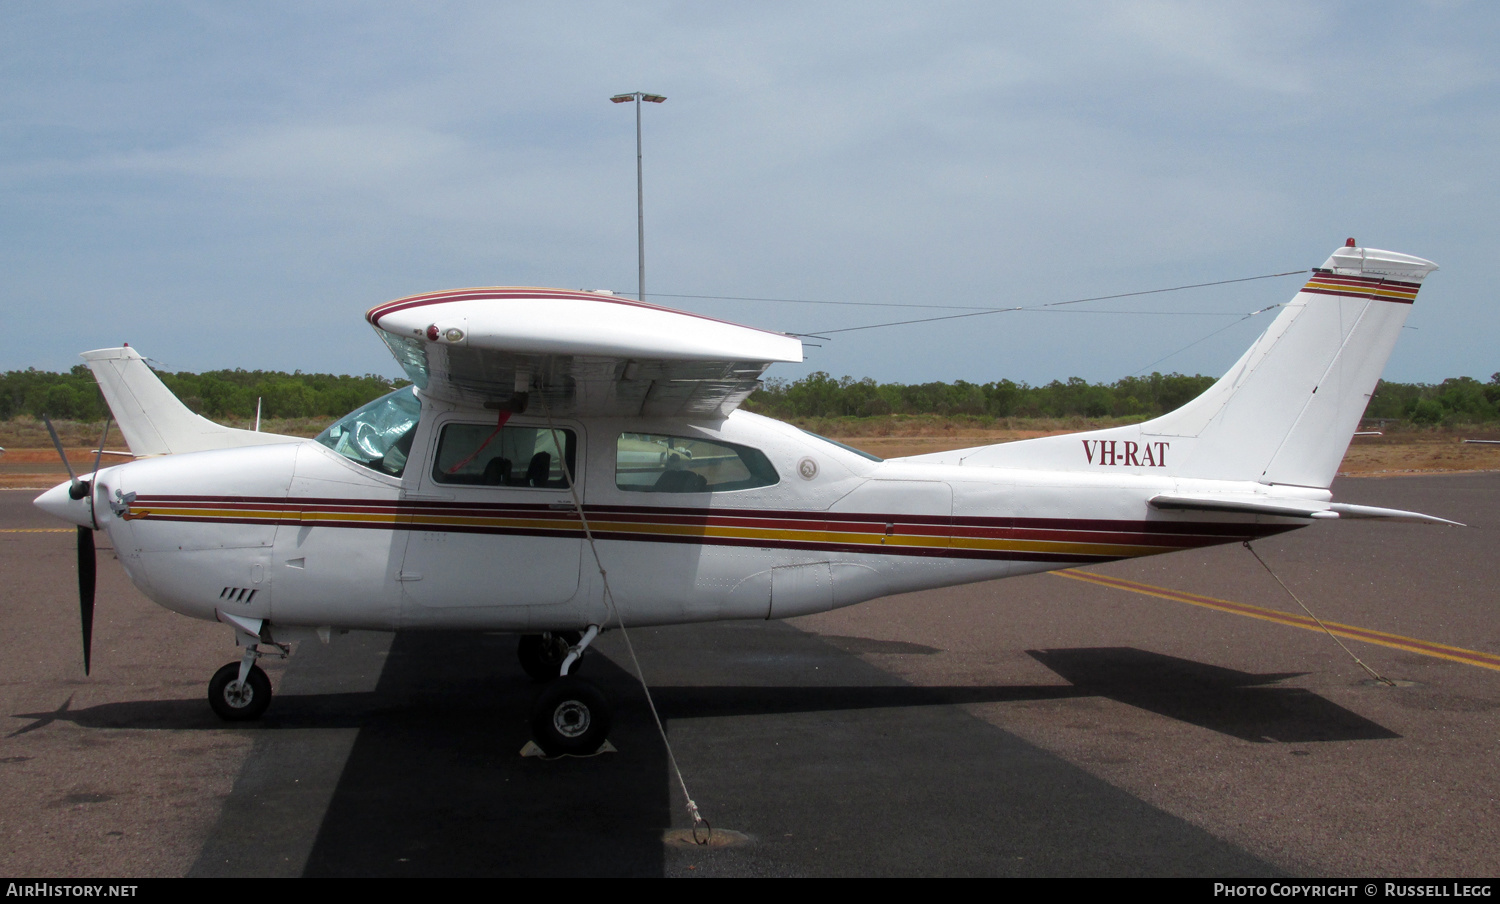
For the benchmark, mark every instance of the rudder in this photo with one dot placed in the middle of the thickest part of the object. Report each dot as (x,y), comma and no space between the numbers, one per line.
(1284,413)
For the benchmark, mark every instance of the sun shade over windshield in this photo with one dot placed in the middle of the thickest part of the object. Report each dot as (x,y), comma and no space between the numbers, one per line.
(380,434)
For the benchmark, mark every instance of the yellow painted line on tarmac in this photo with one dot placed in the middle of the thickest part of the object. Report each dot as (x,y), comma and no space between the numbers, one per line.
(36,530)
(1380,638)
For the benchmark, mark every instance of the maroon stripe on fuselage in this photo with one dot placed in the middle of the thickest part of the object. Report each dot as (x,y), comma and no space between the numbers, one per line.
(927,552)
(964,525)
(407,515)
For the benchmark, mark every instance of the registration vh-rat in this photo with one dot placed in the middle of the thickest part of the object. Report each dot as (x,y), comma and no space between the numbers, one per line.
(566,463)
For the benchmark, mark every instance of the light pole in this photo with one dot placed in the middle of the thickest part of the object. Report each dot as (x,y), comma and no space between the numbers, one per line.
(640,200)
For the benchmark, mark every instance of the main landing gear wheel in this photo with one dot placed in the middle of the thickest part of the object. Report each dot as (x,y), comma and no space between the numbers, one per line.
(542,655)
(235,702)
(570,716)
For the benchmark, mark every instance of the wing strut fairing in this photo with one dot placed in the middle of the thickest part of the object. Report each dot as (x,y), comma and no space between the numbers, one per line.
(586,353)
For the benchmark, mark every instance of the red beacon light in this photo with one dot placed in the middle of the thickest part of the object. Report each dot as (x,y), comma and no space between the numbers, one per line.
(1349,243)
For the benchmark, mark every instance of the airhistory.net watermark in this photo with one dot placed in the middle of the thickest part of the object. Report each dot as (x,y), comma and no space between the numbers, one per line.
(67,890)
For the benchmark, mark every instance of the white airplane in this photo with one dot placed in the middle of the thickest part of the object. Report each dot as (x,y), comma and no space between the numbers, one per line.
(570,462)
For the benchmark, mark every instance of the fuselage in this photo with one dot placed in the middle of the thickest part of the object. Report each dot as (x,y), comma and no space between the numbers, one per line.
(473,521)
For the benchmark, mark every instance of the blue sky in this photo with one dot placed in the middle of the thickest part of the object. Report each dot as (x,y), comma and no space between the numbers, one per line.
(234,184)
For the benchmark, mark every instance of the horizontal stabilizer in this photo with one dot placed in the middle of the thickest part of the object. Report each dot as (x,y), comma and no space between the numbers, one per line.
(1286,508)
(1247,504)
(153,420)
(1346,510)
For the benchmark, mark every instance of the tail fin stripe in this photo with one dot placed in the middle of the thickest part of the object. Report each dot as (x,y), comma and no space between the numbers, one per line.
(1398,298)
(1324,283)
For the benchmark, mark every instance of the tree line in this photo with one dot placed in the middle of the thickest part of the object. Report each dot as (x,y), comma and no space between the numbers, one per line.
(230,395)
(1458,400)
(221,395)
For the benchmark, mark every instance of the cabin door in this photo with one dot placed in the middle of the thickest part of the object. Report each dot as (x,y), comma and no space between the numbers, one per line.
(492,523)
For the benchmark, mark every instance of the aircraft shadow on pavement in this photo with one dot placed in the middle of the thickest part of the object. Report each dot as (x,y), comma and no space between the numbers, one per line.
(432,783)
(1231,702)
(1239,704)
(312,711)
(427,779)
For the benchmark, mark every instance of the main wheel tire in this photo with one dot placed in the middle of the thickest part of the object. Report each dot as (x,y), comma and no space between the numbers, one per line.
(239,704)
(542,655)
(570,716)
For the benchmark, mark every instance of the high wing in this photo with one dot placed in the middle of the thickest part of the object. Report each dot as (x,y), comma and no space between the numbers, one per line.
(583,353)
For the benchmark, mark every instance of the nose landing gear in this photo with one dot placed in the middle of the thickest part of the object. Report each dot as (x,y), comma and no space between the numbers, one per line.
(236,700)
(240,691)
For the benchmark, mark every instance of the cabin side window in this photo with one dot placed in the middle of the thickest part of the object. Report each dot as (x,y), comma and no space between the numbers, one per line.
(380,434)
(651,463)
(487,455)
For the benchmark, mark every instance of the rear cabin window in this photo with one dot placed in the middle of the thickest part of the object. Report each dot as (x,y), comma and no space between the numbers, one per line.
(482,455)
(833,442)
(651,463)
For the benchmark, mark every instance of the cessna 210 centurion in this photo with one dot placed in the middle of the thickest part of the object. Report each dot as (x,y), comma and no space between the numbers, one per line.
(570,462)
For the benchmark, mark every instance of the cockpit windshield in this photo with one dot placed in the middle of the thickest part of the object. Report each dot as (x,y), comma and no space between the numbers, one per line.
(380,434)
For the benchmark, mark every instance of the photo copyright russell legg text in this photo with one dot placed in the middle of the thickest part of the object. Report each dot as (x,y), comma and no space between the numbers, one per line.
(1353,890)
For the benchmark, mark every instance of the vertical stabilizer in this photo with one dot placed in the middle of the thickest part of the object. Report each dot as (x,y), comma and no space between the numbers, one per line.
(153,421)
(1284,413)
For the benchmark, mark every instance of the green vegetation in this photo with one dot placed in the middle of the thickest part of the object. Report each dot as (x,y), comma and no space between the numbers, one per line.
(1459,400)
(819,395)
(1456,400)
(229,396)
(221,395)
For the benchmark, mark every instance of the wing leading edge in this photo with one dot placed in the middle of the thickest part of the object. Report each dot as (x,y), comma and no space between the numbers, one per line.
(583,353)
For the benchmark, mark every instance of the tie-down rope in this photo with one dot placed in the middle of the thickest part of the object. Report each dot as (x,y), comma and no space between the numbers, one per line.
(1373,674)
(609,598)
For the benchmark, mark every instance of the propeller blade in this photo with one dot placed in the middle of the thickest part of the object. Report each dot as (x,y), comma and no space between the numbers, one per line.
(99,452)
(86,575)
(94,477)
(57,444)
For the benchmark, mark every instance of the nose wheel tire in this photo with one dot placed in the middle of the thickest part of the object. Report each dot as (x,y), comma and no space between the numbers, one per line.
(570,717)
(542,655)
(234,702)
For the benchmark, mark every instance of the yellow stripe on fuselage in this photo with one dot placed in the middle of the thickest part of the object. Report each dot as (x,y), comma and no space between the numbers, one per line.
(1117,550)
(568,522)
